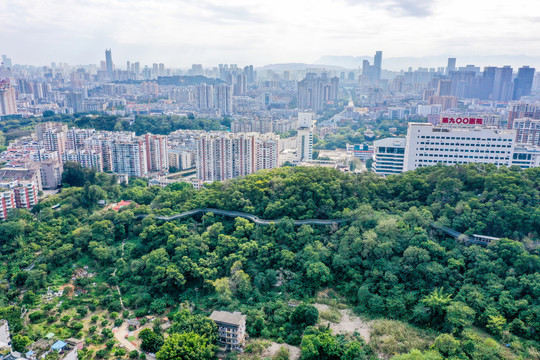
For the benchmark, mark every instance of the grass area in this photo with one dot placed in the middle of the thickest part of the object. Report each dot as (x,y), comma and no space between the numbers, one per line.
(332,315)
(131,338)
(391,337)
(254,349)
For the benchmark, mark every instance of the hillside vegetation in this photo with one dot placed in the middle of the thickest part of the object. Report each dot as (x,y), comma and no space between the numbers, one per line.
(385,261)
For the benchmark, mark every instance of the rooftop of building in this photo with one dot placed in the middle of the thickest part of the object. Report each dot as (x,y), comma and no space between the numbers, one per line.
(226,317)
(389,142)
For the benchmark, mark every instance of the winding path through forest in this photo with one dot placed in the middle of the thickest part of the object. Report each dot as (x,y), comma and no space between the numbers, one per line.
(244,215)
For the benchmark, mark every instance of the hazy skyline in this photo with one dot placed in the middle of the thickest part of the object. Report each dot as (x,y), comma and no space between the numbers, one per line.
(179,33)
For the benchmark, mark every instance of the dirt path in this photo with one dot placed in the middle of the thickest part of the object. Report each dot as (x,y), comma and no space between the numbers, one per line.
(349,323)
(120,335)
(114,274)
(294,352)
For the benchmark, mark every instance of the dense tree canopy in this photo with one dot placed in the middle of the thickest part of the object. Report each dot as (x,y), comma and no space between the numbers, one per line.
(386,260)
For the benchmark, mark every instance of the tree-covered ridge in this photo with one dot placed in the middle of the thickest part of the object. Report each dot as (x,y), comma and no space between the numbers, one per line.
(15,127)
(385,261)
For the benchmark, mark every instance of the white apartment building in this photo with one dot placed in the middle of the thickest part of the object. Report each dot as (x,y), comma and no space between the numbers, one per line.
(7,202)
(129,157)
(157,158)
(24,194)
(180,159)
(304,137)
(527,131)
(75,138)
(427,145)
(222,156)
(88,158)
(388,156)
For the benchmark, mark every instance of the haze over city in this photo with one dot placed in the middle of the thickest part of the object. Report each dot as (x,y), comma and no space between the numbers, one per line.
(180,33)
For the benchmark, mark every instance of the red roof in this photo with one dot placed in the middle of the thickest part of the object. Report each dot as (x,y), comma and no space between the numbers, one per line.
(121,204)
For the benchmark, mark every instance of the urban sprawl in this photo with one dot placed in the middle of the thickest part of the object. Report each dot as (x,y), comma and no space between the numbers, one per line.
(453,116)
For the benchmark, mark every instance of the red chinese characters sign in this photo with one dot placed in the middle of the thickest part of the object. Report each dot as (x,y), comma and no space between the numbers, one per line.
(469,121)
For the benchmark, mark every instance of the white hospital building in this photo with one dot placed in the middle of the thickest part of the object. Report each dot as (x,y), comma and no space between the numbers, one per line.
(427,145)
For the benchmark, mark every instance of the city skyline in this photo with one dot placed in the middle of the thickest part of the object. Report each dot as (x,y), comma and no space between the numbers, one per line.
(184,32)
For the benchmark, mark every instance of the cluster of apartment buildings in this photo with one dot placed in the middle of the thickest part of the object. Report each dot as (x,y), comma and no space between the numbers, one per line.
(37,162)
(461,140)
(222,155)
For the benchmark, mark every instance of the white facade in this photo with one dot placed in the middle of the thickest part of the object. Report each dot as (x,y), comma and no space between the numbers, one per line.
(304,138)
(129,157)
(428,145)
(88,158)
(305,119)
(157,158)
(527,131)
(389,155)
(526,156)
(222,156)
(304,145)
(8,104)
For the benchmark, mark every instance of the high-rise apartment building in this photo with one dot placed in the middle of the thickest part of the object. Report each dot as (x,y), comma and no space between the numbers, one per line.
(205,96)
(444,88)
(315,92)
(76,137)
(53,135)
(157,158)
(7,203)
(223,98)
(74,100)
(222,156)
(527,131)
(522,110)
(88,158)
(129,157)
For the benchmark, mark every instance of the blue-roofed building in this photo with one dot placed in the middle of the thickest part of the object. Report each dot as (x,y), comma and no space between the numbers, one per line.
(59,345)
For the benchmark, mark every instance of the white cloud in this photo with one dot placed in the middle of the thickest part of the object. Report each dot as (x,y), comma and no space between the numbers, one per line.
(181,32)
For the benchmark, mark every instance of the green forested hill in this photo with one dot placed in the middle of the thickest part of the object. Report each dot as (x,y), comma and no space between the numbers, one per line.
(386,261)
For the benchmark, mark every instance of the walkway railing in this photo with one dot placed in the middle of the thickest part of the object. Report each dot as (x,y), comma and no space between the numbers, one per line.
(244,215)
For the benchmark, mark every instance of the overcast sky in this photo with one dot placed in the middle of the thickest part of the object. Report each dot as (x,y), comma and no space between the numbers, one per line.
(181,32)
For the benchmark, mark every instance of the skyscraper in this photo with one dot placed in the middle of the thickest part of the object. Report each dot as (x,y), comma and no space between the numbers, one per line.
(502,84)
(108,62)
(223,98)
(451,65)
(6,61)
(205,96)
(523,82)
(377,63)
(315,92)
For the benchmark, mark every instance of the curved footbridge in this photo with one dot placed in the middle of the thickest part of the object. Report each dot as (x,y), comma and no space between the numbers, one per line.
(251,217)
